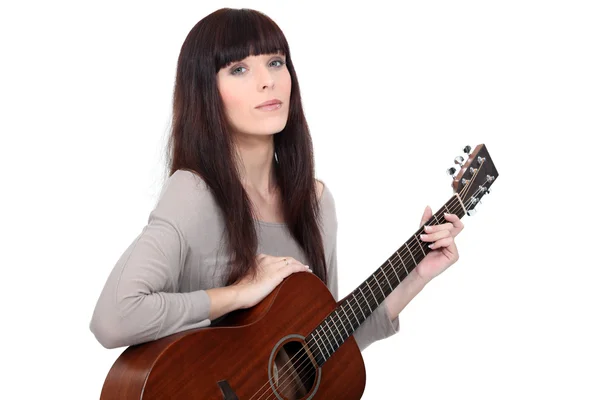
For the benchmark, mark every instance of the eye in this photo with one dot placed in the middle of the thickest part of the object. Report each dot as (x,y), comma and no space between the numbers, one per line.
(234,70)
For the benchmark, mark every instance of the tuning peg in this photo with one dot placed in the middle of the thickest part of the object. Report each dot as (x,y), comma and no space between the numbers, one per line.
(472,212)
(451,171)
(467,149)
(459,160)
(484,190)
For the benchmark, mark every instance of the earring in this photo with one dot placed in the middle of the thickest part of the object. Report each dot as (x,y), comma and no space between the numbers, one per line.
(276,159)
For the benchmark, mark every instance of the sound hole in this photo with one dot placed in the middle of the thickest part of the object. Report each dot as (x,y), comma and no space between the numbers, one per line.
(293,371)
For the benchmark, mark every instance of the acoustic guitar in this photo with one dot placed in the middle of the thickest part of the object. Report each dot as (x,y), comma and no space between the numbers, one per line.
(296,343)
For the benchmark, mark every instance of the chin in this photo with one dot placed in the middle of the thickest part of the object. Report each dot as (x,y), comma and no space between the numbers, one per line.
(271,127)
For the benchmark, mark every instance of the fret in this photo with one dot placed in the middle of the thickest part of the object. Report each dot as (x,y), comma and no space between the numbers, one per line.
(320,353)
(360,308)
(402,261)
(343,325)
(338,329)
(329,349)
(411,254)
(317,341)
(349,320)
(365,297)
(327,336)
(373,293)
(436,220)
(377,281)
(394,269)
(388,281)
(419,243)
(448,211)
(353,313)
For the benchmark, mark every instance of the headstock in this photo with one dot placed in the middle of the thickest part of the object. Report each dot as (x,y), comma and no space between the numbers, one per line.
(475,176)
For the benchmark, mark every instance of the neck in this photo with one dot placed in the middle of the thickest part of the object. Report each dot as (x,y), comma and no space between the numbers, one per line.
(255,163)
(355,308)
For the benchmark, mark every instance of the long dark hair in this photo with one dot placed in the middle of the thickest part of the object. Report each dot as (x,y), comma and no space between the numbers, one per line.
(200,140)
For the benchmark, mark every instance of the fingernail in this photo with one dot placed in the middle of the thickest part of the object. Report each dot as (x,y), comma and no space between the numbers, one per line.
(430,246)
(309,270)
(426,227)
(422,236)
(307,267)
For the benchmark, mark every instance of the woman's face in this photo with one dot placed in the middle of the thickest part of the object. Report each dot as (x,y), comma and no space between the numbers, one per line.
(246,84)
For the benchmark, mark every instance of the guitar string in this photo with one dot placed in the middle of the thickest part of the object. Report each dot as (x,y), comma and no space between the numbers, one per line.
(303,365)
(301,372)
(368,301)
(283,374)
(454,207)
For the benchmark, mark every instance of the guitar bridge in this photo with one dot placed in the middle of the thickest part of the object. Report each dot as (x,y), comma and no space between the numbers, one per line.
(228,393)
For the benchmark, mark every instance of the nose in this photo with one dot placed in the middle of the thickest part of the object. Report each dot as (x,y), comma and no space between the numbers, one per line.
(265,79)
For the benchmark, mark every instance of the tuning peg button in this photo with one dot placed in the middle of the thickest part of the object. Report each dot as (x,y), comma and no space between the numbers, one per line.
(467,149)
(451,171)
(459,160)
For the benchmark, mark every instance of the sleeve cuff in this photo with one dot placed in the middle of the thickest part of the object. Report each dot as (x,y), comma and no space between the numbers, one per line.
(376,327)
(390,327)
(200,305)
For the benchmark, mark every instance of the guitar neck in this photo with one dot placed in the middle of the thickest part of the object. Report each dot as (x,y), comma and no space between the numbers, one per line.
(355,308)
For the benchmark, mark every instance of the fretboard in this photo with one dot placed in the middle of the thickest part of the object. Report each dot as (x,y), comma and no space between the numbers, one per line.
(355,308)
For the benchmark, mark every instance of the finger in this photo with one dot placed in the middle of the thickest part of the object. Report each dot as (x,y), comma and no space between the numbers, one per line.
(437,228)
(292,268)
(432,237)
(287,260)
(445,242)
(458,224)
(427,214)
(280,260)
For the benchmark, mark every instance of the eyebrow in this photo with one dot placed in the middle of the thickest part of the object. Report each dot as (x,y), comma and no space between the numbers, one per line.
(266,55)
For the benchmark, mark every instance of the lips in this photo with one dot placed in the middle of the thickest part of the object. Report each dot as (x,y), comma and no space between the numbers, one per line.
(269,103)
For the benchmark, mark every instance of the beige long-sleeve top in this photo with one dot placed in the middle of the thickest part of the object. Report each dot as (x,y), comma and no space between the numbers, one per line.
(158,285)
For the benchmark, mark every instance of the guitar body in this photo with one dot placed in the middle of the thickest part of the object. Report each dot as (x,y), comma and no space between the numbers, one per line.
(235,359)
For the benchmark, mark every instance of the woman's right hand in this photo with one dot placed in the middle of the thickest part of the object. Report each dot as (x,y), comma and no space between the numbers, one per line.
(269,274)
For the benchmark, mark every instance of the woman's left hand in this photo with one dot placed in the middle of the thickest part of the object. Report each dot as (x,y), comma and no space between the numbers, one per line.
(444,252)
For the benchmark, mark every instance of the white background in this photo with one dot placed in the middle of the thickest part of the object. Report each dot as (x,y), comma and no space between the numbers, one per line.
(392,92)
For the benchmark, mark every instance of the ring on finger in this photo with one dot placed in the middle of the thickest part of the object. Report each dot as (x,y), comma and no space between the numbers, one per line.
(286,261)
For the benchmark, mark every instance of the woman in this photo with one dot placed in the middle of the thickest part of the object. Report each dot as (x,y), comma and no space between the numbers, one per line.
(241,209)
